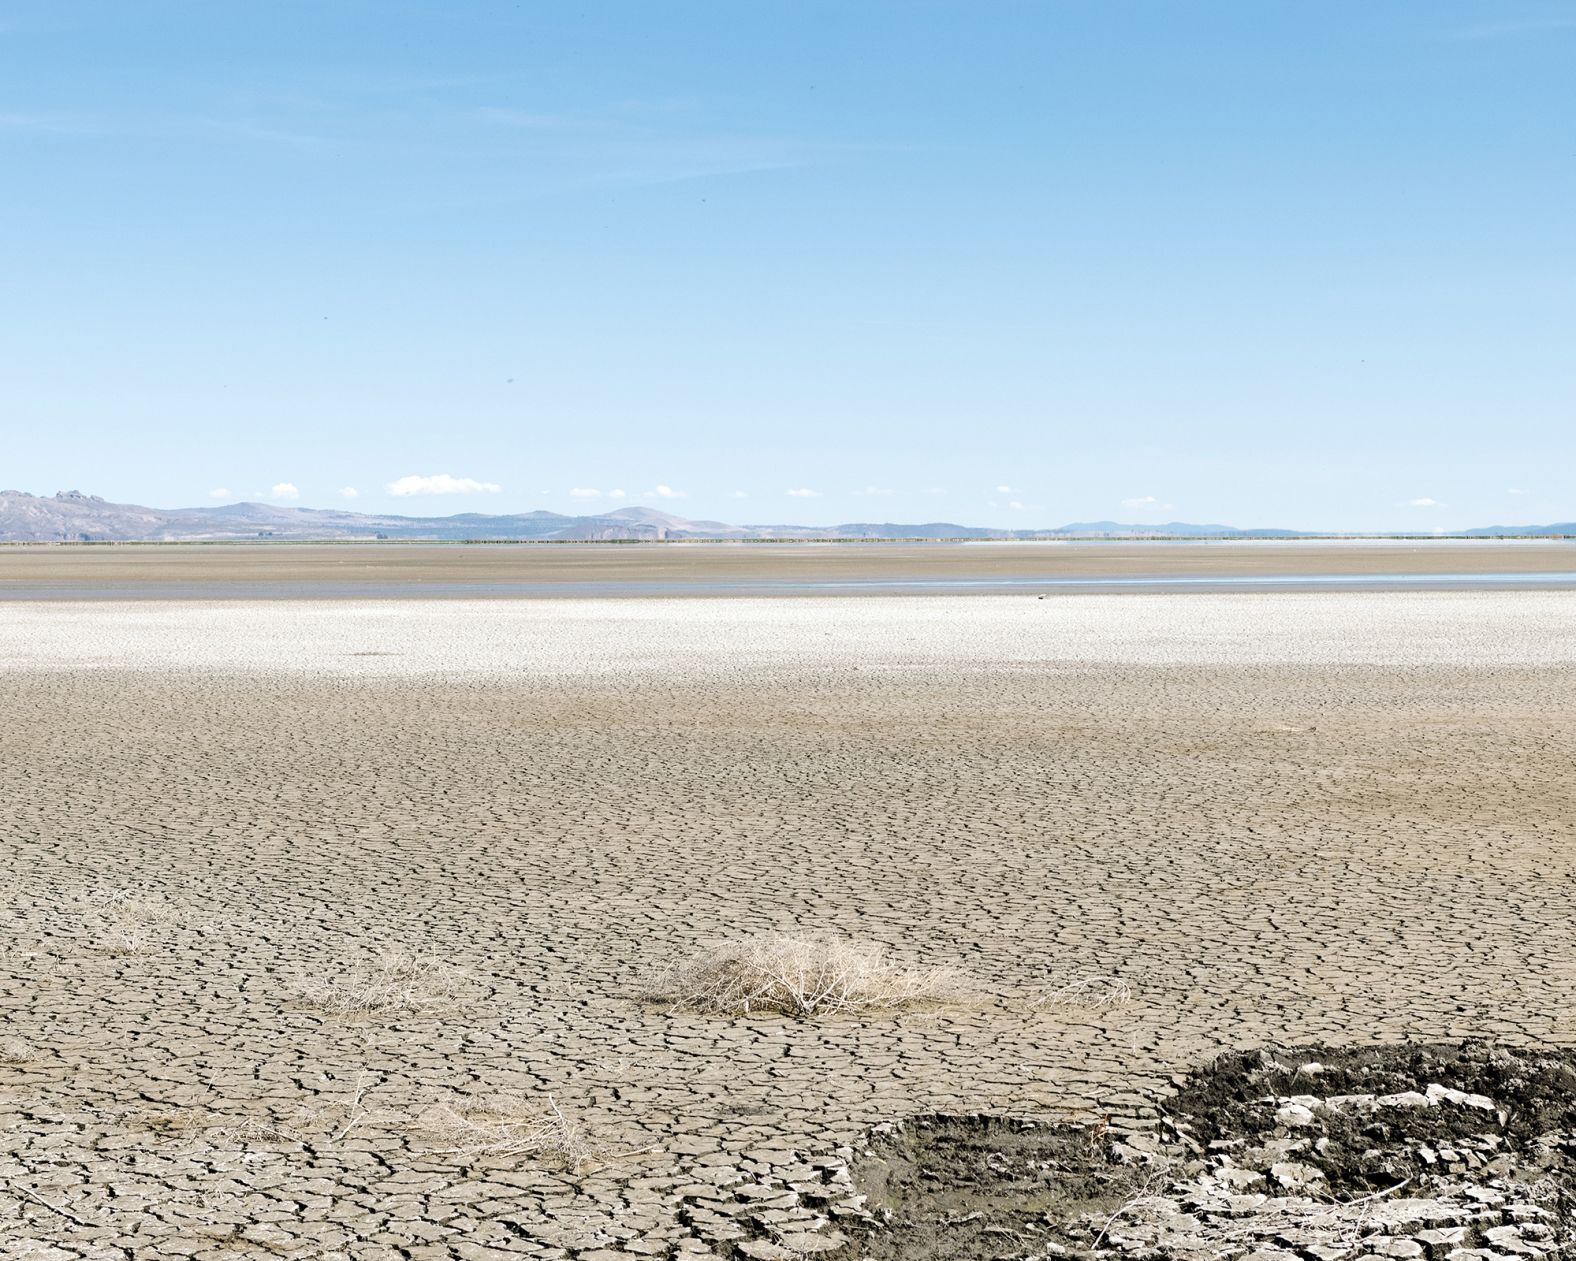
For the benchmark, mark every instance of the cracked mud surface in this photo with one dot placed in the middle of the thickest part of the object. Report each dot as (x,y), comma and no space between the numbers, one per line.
(1279,820)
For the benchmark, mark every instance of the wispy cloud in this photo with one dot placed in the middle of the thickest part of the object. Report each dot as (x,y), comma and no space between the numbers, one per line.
(219,492)
(698,163)
(584,492)
(1142,503)
(804,492)
(539,120)
(243,129)
(89,126)
(284,490)
(1515,490)
(1511,30)
(878,490)
(1008,490)
(635,142)
(1424,502)
(48,125)
(440,484)
(348,492)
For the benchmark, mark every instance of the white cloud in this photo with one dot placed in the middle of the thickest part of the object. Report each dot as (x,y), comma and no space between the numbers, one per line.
(804,492)
(935,490)
(1424,502)
(584,492)
(1142,501)
(1007,490)
(284,490)
(1013,503)
(441,484)
(615,494)
(348,492)
(219,492)
(667,492)
(739,494)
(1515,490)
(878,490)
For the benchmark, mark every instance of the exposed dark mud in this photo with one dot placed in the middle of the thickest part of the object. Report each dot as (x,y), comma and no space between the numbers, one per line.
(1384,1115)
(1289,1154)
(963,1187)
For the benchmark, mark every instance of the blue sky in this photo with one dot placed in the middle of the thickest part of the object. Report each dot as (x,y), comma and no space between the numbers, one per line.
(1018,263)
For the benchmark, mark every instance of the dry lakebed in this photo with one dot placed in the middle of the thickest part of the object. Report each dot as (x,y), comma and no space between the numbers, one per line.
(1196,925)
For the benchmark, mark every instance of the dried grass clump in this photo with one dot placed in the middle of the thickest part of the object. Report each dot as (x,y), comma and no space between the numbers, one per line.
(508,1125)
(799,977)
(397,980)
(251,1132)
(323,1120)
(122,921)
(1088,993)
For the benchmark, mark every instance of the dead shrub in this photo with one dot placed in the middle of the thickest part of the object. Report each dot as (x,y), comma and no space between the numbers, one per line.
(123,921)
(799,977)
(1088,993)
(397,980)
(324,1119)
(508,1125)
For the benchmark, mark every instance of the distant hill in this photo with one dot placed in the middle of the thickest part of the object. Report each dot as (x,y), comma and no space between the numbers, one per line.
(1171,529)
(1567,528)
(71,516)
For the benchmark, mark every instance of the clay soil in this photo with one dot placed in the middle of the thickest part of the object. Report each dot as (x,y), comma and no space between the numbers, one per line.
(1274,820)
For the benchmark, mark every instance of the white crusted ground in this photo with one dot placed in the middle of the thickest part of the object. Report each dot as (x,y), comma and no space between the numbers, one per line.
(732,637)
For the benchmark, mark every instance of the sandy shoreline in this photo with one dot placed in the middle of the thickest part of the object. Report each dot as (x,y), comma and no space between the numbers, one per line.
(1304,817)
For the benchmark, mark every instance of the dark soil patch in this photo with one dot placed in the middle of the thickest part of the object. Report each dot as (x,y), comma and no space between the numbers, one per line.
(1362,1147)
(1311,1153)
(948,1187)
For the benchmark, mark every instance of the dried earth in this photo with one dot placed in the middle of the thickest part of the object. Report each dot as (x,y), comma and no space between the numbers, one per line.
(1148,829)
(345,570)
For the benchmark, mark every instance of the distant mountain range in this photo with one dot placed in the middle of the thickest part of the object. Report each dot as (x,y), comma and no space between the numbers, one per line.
(71,516)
